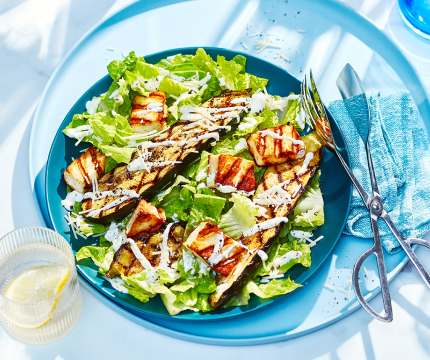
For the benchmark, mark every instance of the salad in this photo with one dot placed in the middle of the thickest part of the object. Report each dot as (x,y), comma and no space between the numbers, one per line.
(197,183)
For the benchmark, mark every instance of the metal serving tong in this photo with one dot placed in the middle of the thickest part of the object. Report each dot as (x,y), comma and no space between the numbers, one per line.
(349,84)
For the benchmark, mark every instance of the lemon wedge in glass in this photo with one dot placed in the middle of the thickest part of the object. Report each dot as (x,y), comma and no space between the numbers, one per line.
(38,285)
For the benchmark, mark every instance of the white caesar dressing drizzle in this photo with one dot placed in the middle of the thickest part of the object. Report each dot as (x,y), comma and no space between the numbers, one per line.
(258,102)
(149,144)
(164,258)
(97,195)
(139,256)
(136,165)
(219,243)
(201,137)
(92,106)
(201,186)
(276,136)
(154,83)
(240,100)
(117,284)
(265,225)
(251,122)
(222,81)
(291,255)
(79,132)
(263,257)
(225,189)
(242,144)
(108,206)
(114,93)
(115,235)
(149,109)
(309,156)
(274,196)
(71,199)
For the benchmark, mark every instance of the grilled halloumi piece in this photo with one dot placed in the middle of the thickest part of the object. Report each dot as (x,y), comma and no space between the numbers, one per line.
(125,262)
(79,174)
(228,174)
(149,113)
(213,247)
(145,219)
(275,145)
(179,146)
(293,178)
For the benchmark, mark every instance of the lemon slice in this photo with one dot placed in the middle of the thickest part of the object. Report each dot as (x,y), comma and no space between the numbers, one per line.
(38,285)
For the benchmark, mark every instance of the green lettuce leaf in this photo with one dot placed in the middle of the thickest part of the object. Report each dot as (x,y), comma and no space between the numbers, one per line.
(270,119)
(117,68)
(257,83)
(309,211)
(176,200)
(205,208)
(230,71)
(102,256)
(120,155)
(205,63)
(239,218)
(292,116)
(264,291)
(171,87)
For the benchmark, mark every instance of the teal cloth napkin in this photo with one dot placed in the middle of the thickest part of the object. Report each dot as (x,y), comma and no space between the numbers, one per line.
(401,159)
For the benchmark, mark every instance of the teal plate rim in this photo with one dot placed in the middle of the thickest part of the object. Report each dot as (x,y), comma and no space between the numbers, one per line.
(155,307)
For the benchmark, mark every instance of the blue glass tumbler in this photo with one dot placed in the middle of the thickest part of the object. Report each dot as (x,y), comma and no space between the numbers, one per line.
(416,14)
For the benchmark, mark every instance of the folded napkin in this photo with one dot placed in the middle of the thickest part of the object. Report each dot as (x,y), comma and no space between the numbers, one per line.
(401,159)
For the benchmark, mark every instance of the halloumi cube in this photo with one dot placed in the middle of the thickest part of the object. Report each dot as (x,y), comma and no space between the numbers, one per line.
(79,174)
(213,247)
(149,113)
(284,145)
(229,174)
(145,219)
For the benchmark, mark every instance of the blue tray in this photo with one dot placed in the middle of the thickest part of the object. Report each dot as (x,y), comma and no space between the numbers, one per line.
(313,306)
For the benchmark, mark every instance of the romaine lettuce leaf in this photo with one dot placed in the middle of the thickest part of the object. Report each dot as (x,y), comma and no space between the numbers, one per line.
(239,218)
(230,71)
(295,116)
(205,63)
(270,119)
(309,210)
(176,200)
(117,68)
(205,208)
(120,155)
(264,291)
(257,83)
(102,256)
(171,87)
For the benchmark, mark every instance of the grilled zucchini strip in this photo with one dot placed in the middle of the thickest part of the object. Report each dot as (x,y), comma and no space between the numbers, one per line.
(125,262)
(295,177)
(166,160)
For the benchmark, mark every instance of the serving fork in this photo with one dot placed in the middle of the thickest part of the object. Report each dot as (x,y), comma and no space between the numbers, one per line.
(316,114)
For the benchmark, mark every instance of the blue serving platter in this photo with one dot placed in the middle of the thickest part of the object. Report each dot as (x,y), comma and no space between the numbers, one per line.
(334,35)
(334,182)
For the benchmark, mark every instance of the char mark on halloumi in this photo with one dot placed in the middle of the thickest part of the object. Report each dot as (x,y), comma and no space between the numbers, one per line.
(145,219)
(229,174)
(213,247)
(149,113)
(284,145)
(80,173)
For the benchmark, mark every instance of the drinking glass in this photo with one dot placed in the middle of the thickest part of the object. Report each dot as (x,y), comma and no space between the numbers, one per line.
(416,14)
(47,321)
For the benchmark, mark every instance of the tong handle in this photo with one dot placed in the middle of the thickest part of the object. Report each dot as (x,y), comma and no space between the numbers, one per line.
(406,243)
(376,250)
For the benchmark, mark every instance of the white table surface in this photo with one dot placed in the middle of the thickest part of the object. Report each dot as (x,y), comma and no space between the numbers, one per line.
(34,36)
